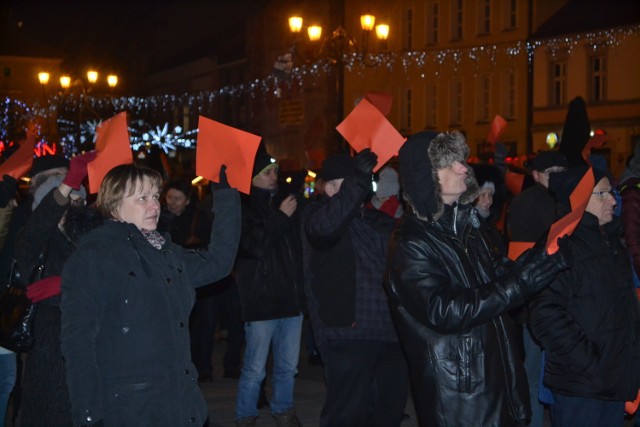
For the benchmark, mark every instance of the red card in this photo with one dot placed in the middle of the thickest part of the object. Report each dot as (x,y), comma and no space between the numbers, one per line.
(366,127)
(113,147)
(579,199)
(498,126)
(20,162)
(514,182)
(517,248)
(218,145)
(381,100)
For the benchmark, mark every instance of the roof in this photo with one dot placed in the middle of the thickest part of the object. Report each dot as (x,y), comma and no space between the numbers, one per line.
(580,16)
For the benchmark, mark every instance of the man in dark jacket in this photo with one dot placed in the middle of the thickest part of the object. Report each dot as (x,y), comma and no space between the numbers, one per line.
(345,257)
(269,277)
(449,295)
(587,319)
(531,213)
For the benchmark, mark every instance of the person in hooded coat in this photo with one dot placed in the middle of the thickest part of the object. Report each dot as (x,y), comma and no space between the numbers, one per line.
(449,296)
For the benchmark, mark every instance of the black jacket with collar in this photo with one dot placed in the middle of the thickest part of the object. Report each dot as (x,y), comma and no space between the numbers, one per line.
(269,265)
(587,319)
(450,297)
(450,312)
(125,315)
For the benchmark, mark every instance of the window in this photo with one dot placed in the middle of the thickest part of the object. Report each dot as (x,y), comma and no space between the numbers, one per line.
(456,20)
(406,110)
(407,39)
(510,14)
(509,92)
(484,16)
(433,16)
(455,112)
(431,106)
(597,78)
(559,83)
(483,97)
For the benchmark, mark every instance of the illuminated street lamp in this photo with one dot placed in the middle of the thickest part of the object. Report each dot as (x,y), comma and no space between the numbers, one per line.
(43,78)
(335,48)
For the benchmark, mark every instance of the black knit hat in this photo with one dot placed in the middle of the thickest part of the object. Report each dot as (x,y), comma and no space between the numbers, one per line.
(546,159)
(337,166)
(262,160)
(43,163)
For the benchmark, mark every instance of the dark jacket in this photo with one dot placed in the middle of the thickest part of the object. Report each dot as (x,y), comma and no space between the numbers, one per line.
(45,400)
(190,229)
(449,302)
(630,192)
(587,319)
(269,265)
(125,314)
(345,259)
(531,213)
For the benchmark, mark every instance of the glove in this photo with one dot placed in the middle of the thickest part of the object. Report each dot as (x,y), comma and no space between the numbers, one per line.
(363,164)
(78,169)
(535,269)
(8,188)
(43,289)
(223,180)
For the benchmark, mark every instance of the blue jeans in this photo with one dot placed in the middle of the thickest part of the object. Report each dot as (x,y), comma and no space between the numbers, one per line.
(283,336)
(569,411)
(7,381)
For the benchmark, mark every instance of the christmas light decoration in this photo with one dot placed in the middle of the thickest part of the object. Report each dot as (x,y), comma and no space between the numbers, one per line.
(73,132)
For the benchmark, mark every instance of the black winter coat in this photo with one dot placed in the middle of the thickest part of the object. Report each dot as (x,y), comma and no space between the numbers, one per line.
(45,400)
(269,265)
(587,319)
(449,308)
(125,316)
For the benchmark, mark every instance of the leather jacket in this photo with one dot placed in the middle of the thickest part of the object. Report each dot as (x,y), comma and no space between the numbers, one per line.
(449,310)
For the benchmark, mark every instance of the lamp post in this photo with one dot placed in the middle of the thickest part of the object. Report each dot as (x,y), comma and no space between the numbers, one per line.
(335,48)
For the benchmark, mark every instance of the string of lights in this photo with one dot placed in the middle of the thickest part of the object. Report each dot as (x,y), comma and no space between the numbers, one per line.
(62,107)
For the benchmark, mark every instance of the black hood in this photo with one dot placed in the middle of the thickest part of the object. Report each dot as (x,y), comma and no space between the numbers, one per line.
(420,157)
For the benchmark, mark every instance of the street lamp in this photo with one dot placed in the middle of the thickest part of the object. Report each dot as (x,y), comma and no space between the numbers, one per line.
(43,78)
(335,48)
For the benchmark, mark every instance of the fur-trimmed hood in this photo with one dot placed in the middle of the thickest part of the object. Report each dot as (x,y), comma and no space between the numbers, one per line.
(420,158)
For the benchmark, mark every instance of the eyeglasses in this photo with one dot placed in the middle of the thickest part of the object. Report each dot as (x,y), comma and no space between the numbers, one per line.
(78,202)
(612,192)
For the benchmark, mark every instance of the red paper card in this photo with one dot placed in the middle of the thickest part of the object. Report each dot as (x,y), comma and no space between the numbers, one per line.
(498,126)
(21,160)
(381,100)
(567,224)
(113,147)
(218,145)
(367,127)
(517,248)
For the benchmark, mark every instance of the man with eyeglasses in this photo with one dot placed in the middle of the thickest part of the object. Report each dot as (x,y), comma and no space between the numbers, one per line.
(530,214)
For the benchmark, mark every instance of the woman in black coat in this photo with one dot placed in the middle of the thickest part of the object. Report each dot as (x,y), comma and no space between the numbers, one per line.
(48,238)
(126,297)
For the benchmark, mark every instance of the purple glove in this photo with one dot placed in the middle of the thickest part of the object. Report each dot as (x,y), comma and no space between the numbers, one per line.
(78,169)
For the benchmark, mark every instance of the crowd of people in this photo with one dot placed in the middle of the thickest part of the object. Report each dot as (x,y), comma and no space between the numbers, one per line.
(404,277)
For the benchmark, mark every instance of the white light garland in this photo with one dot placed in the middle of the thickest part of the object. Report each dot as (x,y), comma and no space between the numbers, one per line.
(68,108)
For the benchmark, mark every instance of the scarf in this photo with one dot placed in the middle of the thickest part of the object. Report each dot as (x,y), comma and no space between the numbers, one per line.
(154,238)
